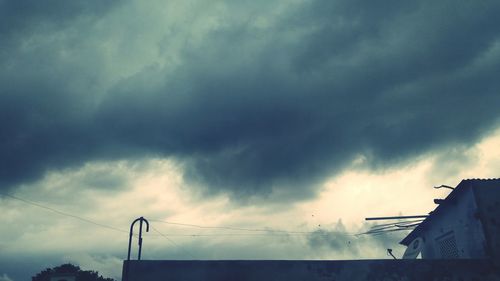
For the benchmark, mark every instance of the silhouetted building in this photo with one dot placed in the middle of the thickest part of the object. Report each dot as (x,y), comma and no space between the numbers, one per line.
(465,225)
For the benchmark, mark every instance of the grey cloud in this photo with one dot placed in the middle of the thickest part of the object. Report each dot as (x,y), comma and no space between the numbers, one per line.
(262,101)
(451,162)
(339,241)
(109,176)
(336,239)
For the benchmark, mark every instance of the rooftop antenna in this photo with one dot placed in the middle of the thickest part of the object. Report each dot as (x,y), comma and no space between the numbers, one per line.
(438,201)
(389,253)
(444,186)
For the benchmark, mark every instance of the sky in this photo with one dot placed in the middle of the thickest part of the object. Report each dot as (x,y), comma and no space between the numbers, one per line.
(282,123)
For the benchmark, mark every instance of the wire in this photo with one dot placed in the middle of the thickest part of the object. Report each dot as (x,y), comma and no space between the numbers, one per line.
(405,225)
(63,213)
(378,232)
(221,227)
(268,231)
(172,241)
(390,227)
(324,233)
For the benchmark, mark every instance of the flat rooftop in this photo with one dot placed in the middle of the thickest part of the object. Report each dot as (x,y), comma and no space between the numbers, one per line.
(310,270)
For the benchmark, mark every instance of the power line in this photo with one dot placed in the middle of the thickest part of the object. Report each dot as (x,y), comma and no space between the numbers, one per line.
(378,232)
(397,217)
(400,222)
(63,213)
(172,241)
(268,231)
(391,227)
(323,233)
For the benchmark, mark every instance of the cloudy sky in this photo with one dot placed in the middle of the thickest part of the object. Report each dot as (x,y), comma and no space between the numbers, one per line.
(300,118)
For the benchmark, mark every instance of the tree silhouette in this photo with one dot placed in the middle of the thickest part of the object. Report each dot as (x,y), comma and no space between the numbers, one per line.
(81,275)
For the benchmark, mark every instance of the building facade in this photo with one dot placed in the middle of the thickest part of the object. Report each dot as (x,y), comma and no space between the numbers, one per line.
(464,225)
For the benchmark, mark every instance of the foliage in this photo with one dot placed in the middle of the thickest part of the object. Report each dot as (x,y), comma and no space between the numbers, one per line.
(81,275)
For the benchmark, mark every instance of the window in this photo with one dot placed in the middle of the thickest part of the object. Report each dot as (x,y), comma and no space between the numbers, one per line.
(448,246)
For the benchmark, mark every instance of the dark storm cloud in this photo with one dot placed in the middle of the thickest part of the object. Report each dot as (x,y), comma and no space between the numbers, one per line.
(26,14)
(254,107)
(44,93)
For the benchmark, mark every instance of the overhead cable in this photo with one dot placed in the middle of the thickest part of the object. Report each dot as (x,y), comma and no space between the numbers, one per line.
(266,230)
(172,241)
(63,213)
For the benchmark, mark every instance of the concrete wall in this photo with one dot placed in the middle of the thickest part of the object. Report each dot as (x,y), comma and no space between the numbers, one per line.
(357,270)
(488,198)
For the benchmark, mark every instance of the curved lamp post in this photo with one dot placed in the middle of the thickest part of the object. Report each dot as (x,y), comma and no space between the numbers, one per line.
(140,220)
